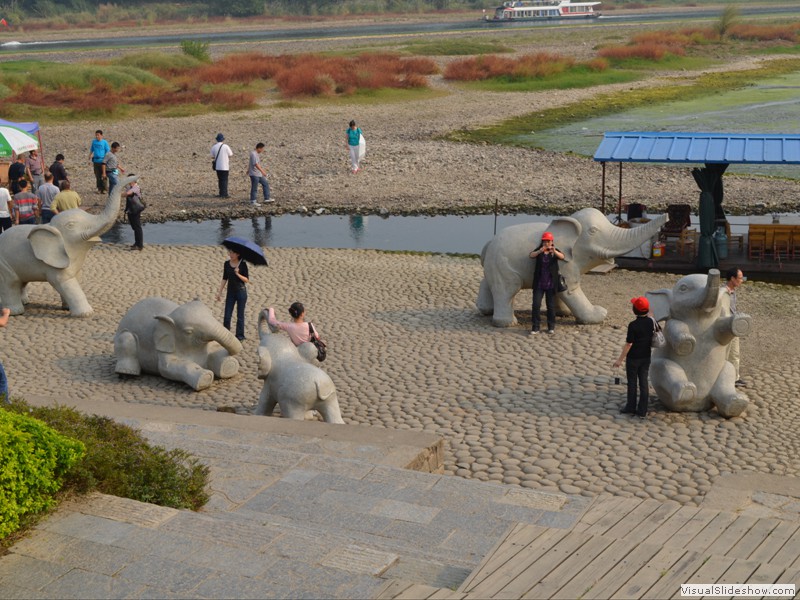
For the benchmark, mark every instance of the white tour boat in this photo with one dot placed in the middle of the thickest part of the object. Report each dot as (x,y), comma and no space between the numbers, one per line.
(536,10)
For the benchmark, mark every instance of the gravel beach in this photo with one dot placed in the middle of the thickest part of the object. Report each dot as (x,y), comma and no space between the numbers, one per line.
(408,168)
(408,350)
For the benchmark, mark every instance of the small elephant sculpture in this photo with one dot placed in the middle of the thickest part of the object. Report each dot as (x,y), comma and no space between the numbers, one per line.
(290,380)
(587,239)
(179,342)
(691,373)
(54,253)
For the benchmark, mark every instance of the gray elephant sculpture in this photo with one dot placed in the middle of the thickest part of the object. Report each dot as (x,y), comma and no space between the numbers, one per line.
(290,380)
(54,253)
(691,372)
(587,239)
(179,342)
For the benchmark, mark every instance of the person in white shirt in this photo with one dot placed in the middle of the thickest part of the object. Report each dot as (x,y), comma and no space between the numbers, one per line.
(6,209)
(221,154)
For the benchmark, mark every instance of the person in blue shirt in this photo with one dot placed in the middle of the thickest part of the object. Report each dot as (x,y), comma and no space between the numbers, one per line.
(100,148)
(353,138)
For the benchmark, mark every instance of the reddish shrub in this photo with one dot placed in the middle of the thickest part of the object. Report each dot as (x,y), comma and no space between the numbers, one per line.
(542,64)
(765,32)
(243,68)
(647,51)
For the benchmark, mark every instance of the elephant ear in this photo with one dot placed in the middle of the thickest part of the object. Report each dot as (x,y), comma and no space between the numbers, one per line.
(48,246)
(566,232)
(164,335)
(660,301)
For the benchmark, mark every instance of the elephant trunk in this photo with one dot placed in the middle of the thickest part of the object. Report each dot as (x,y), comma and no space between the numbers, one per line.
(622,240)
(226,339)
(709,299)
(106,219)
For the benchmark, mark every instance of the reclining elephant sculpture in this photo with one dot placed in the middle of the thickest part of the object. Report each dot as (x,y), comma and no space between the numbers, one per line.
(54,253)
(587,239)
(290,380)
(179,342)
(691,372)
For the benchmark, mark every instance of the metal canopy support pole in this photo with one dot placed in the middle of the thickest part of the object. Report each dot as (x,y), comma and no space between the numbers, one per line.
(603,190)
(619,200)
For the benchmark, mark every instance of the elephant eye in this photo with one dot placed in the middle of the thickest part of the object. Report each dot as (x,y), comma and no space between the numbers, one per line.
(683,287)
(188,330)
(593,230)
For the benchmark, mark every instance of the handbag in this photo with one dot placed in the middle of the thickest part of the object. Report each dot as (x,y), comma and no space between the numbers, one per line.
(658,341)
(214,162)
(137,204)
(562,284)
(322,348)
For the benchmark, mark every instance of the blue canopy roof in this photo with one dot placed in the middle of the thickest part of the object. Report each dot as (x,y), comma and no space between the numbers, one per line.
(672,147)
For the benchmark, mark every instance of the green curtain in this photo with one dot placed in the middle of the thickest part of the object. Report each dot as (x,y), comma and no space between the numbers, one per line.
(708,180)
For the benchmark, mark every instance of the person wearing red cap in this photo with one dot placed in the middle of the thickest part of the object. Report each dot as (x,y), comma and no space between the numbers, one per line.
(545,282)
(636,354)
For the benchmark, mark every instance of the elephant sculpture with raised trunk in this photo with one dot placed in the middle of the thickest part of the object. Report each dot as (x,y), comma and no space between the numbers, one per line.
(54,253)
(691,372)
(587,239)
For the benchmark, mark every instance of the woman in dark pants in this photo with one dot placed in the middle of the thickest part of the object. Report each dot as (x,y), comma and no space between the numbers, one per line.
(235,274)
(134,211)
(545,281)
(636,354)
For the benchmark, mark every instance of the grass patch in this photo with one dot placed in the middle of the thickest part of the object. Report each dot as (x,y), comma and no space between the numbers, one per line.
(577,77)
(55,76)
(708,84)
(670,62)
(456,47)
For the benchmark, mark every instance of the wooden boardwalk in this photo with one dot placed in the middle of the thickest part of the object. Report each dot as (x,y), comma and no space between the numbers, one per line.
(629,548)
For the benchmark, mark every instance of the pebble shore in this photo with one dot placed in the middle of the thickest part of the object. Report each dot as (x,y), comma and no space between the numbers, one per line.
(409,350)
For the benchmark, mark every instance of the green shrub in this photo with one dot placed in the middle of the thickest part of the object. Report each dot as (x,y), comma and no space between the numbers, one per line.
(120,462)
(33,462)
(197,50)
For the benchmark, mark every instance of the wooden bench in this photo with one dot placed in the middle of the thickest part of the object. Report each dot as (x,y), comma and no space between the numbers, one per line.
(774,239)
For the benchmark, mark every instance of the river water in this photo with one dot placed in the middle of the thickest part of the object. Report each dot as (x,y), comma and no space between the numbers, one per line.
(443,234)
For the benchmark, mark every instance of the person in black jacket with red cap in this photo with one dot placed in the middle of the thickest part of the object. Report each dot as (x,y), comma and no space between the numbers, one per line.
(636,354)
(545,281)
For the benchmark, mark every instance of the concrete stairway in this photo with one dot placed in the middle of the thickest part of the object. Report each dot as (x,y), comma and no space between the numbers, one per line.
(297,510)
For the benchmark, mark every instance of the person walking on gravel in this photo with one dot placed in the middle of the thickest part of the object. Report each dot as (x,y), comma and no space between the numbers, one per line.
(354,136)
(111,166)
(99,150)
(221,153)
(258,175)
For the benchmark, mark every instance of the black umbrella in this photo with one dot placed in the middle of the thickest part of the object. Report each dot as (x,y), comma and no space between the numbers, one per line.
(249,251)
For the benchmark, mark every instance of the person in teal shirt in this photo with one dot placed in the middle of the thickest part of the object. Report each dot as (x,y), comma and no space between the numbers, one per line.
(353,139)
(100,148)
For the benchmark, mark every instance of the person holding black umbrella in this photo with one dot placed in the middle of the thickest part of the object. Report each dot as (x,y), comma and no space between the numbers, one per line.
(236,276)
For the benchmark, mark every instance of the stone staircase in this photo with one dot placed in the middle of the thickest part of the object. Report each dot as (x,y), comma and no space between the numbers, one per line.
(297,510)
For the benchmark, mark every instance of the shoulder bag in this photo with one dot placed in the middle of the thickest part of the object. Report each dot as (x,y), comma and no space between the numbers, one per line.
(214,162)
(322,349)
(658,341)
(562,284)
(137,204)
